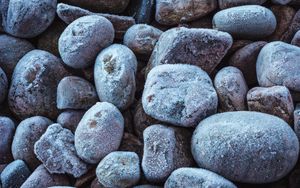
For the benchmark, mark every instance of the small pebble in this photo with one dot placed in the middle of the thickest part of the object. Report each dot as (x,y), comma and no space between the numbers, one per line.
(297,120)
(28,132)
(69,119)
(55,149)
(7,131)
(83,39)
(114,75)
(99,132)
(119,169)
(75,93)
(296,39)
(281,2)
(3,86)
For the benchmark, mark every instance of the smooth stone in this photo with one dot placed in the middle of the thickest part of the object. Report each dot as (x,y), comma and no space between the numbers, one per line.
(3,86)
(224,4)
(7,131)
(69,119)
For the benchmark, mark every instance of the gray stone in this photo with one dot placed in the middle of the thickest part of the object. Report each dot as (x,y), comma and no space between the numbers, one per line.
(99,132)
(114,75)
(7,131)
(297,120)
(196,177)
(83,39)
(247,22)
(277,64)
(281,2)
(248,147)
(119,169)
(69,119)
(179,94)
(224,4)
(55,149)
(3,86)
(296,39)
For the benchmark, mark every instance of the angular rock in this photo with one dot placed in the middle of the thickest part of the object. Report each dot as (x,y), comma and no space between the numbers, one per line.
(99,132)
(277,64)
(224,4)
(246,22)
(7,131)
(33,86)
(276,100)
(55,149)
(202,47)
(83,39)
(249,147)
(69,119)
(179,94)
(3,86)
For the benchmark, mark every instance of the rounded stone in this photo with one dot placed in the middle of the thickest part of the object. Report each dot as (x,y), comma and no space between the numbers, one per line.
(7,131)
(232,89)
(281,2)
(69,119)
(296,39)
(28,132)
(83,39)
(196,177)
(12,49)
(224,4)
(14,174)
(141,38)
(3,86)
(99,132)
(75,93)
(248,147)
(119,169)
(114,75)
(247,22)
(34,83)
(179,94)
(278,64)
(27,19)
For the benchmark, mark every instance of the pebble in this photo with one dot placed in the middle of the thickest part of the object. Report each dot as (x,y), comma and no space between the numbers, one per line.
(12,49)
(27,19)
(114,75)
(42,178)
(276,100)
(83,39)
(55,149)
(165,150)
(69,119)
(75,93)
(119,169)
(296,119)
(143,10)
(196,177)
(202,47)
(232,89)
(277,64)
(169,12)
(3,86)
(141,38)
(14,174)
(294,26)
(248,147)
(296,39)
(224,4)
(179,94)
(7,131)
(281,2)
(245,60)
(99,132)
(27,133)
(246,22)
(33,87)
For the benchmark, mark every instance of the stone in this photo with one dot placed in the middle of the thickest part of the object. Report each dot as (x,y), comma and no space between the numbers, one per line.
(55,149)
(69,119)
(7,131)
(246,22)
(277,64)
(179,94)
(142,10)
(3,86)
(296,39)
(248,147)
(281,2)
(119,169)
(296,115)
(99,132)
(196,177)
(75,93)
(83,39)
(202,47)
(294,26)
(131,143)
(276,100)
(33,87)
(224,4)
(114,75)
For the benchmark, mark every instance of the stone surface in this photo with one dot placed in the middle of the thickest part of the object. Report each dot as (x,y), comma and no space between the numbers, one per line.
(114,75)
(28,132)
(297,120)
(3,86)
(131,143)
(55,149)
(249,147)
(281,2)
(33,86)
(196,177)
(179,94)
(294,26)
(99,132)
(296,39)
(7,131)
(119,169)
(83,39)
(277,64)
(224,4)
(202,47)
(246,22)
(69,119)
